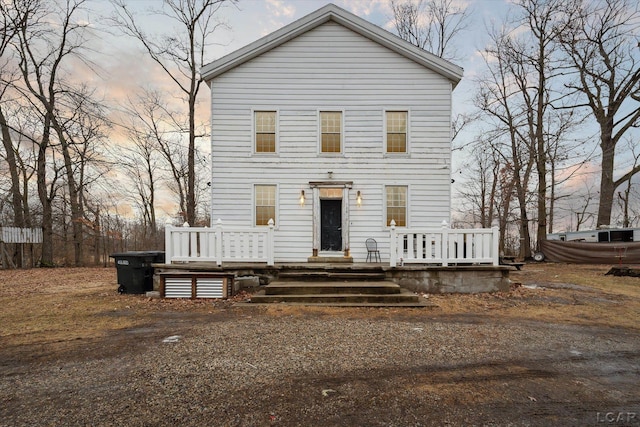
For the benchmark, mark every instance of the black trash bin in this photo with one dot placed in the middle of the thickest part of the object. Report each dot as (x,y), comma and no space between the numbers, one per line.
(135,270)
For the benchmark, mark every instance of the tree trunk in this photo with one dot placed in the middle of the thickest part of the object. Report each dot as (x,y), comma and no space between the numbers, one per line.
(191,174)
(541,151)
(46,258)
(77,215)
(607,188)
(16,196)
(525,237)
(552,197)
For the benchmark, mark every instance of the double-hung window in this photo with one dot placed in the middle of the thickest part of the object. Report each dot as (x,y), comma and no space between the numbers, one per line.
(396,205)
(265,204)
(265,131)
(330,131)
(396,131)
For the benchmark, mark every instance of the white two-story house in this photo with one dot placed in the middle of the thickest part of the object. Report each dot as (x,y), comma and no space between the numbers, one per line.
(333,128)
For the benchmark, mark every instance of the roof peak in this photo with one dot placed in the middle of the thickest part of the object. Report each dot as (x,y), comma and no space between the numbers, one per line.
(331,12)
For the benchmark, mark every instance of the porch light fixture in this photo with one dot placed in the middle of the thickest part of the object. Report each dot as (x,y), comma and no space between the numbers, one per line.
(302,198)
(359,198)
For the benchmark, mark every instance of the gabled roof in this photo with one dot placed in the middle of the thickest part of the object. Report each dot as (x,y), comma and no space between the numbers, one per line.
(336,14)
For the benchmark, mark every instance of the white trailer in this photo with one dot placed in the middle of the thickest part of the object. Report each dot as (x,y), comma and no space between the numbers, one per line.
(600,235)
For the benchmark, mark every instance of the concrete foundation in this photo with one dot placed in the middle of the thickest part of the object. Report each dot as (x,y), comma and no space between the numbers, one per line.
(416,278)
(463,279)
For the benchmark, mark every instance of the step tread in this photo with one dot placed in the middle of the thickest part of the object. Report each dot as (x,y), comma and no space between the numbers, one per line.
(399,294)
(418,304)
(332,274)
(363,284)
(325,298)
(331,287)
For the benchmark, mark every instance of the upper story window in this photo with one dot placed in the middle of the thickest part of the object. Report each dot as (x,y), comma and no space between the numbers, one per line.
(397,205)
(265,204)
(396,128)
(265,131)
(330,131)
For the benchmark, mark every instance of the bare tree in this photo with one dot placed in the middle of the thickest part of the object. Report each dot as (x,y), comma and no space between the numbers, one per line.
(180,54)
(535,65)
(601,42)
(141,157)
(80,128)
(481,192)
(12,15)
(155,129)
(624,196)
(432,25)
(581,206)
(498,98)
(48,36)
(559,153)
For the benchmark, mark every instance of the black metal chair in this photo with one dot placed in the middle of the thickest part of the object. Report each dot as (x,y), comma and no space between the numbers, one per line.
(372,250)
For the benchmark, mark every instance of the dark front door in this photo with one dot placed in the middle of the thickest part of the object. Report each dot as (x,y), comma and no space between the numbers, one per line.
(331,225)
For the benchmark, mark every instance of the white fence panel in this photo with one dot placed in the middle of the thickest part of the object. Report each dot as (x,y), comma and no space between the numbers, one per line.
(20,235)
(444,246)
(219,244)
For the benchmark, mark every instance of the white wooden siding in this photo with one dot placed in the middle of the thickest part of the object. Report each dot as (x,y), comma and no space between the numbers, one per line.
(330,66)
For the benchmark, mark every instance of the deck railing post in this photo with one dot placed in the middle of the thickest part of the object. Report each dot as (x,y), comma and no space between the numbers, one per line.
(219,242)
(495,248)
(393,251)
(168,242)
(445,243)
(270,244)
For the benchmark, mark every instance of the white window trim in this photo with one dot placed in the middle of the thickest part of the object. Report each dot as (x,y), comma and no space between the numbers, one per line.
(384,205)
(253,132)
(384,132)
(253,205)
(319,132)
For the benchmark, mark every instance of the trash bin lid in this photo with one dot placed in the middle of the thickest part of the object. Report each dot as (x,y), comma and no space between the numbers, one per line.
(136,254)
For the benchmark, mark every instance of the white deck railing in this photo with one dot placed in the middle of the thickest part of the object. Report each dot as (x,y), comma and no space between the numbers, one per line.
(443,246)
(219,244)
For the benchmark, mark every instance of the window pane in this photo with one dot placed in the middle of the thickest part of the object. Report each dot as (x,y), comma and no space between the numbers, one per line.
(396,131)
(265,143)
(264,214)
(396,143)
(397,121)
(265,126)
(266,121)
(331,121)
(265,204)
(397,205)
(331,193)
(330,143)
(331,131)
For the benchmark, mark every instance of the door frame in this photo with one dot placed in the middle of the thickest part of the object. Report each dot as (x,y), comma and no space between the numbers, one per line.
(344,186)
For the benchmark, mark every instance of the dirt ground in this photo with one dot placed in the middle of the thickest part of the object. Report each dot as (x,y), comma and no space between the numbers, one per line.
(561,348)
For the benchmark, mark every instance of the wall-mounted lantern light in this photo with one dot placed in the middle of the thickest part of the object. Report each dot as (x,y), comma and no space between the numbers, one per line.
(302,198)
(359,198)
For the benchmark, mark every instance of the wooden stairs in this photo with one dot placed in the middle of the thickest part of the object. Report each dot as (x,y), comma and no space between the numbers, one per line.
(337,289)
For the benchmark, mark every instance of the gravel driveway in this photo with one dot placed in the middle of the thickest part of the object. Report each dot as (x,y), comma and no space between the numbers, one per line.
(244,366)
